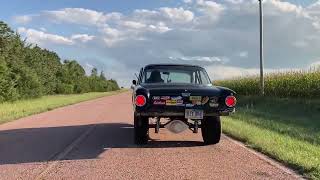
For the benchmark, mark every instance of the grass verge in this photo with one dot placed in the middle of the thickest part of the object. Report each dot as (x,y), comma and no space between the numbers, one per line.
(286,129)
(13,110)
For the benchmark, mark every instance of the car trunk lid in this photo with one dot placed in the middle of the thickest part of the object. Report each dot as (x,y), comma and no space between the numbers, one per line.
(181,94)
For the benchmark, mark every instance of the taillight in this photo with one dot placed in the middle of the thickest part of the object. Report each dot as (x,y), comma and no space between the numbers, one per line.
(231,101)
(140,100)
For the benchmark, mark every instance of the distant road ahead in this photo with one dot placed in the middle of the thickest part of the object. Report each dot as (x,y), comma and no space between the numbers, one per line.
(94,140)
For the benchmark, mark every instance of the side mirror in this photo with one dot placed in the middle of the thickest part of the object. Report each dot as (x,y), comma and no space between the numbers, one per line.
(134,82)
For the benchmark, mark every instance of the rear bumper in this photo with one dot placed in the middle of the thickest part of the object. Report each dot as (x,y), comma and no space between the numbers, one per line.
(182,113)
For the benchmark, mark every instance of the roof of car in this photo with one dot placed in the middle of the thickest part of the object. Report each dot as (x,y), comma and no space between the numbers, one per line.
(188,65)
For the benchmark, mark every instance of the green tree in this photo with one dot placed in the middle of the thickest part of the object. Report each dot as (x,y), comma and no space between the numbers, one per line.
(28,71)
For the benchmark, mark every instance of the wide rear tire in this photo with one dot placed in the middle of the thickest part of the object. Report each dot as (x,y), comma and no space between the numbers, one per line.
(211,130)
(141,130)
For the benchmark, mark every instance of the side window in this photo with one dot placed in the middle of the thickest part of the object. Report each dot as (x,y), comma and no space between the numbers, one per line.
(196,78)
(204,77)
(140,76)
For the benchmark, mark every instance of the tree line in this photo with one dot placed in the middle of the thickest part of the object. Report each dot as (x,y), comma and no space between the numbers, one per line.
(28,71)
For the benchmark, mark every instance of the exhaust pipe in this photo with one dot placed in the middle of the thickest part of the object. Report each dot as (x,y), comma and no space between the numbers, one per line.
(176,126)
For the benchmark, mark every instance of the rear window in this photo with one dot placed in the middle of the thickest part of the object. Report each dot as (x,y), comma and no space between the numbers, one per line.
(175,74)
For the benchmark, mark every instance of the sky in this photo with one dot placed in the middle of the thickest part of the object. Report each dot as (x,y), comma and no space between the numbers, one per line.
(119,37)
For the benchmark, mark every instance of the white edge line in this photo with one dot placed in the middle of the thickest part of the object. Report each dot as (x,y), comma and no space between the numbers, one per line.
(266,158)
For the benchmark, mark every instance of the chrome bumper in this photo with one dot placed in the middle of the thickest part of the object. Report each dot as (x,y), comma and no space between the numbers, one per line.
(181,114)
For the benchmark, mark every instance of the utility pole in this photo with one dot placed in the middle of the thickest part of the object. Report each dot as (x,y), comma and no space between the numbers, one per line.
(261,49)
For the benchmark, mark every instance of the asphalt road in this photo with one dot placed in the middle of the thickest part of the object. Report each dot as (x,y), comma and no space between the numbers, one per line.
(94,140)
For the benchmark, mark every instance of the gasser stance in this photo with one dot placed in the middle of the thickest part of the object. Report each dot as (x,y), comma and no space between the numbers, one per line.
(179,97)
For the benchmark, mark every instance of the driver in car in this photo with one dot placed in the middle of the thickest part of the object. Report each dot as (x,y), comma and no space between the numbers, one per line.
(155,77)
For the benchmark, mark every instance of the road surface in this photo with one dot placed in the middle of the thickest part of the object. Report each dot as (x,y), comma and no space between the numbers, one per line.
(94,140)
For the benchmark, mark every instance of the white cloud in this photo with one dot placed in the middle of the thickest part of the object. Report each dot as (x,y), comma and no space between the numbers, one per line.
(210,8)
(198,58)
(133,24)
(145,14)
(43,38)
(82,37)
(160,28)
(235,1)
(81,16)
(285,6)
(39,37)
(111,32)
(177,15)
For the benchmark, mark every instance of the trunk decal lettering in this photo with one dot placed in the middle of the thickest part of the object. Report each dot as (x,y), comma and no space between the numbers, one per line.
(176,98)
(156,97)
(159,102)
(165,97)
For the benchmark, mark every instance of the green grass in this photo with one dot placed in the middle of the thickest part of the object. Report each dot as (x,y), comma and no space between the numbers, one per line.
(13,110)
(285,129)
(281,84)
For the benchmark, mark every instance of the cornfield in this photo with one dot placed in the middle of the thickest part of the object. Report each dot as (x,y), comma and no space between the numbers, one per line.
(304,84)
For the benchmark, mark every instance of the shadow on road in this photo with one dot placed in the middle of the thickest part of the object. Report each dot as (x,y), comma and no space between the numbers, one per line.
(44,144)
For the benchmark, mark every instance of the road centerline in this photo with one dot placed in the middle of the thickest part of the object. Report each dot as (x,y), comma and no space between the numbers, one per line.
(55,161)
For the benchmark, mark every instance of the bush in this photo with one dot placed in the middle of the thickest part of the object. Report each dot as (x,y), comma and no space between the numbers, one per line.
(7,85)
(63,88)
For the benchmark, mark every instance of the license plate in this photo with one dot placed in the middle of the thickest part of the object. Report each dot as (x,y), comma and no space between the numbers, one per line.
(193,114)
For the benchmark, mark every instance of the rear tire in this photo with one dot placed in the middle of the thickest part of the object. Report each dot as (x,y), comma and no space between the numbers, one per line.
(141,129)
(211,130)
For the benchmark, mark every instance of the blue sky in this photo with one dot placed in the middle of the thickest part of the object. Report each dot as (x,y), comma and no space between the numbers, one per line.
(220,35)
(16,7)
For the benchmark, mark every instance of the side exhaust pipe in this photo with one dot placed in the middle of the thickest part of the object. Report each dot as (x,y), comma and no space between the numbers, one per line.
(176,126)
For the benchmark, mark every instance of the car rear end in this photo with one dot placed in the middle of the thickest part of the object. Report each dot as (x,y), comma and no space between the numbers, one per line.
(183,97)
(185,102)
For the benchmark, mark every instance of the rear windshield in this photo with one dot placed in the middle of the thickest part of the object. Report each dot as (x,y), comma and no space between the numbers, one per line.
(175,74)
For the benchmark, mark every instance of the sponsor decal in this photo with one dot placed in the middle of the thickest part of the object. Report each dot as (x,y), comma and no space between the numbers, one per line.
(159,102)
(195,98)
(174,102)
(171,102)
(165,97)
(205,100)
(156,97)
(180,102)
(176,98)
